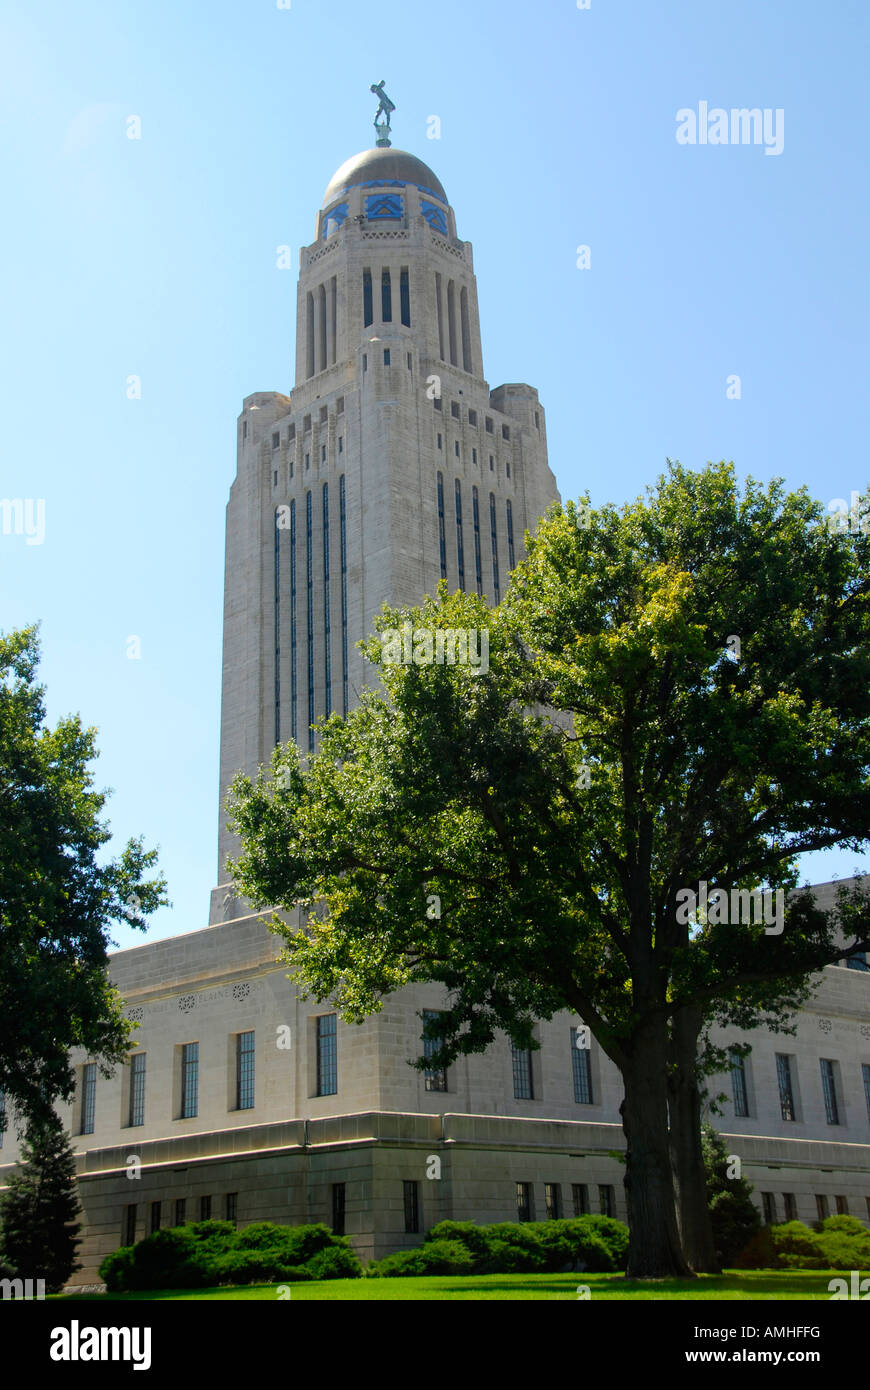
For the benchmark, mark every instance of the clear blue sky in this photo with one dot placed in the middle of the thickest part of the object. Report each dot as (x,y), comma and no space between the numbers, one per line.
(157,257)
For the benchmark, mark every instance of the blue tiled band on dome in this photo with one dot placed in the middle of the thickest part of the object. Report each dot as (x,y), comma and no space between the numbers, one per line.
(390,183)
(388,205)
(434,216)
(333,219)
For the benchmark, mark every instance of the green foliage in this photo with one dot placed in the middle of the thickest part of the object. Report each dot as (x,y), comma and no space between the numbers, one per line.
(207,1253)
(841,1242)
(595,1243)
(56,899)
(733,1214)
(38,1225)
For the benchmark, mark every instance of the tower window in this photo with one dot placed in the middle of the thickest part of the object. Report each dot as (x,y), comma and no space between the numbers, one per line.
(338,1208)
(451,321)
(189,1080)
(488,425)
(244,429)
(505,431)
(456,448)
(324,413)
(410,363)
(276,440)
(439,441)
(739,1089)
(137,1089)
(307,461)
(89,1096)
(231,1206)
(537,421)
(309,578)
(405,299)
(581,1060)
(472,417)
(339,406)
(508,467)
(365,361)
(343,545)
(306,424)
(521,1063)
(491,463)
(341,443)
(436,1077)
(478,574)
(441,541)
(275,478)
(510,535)
(494,534)
(440,315)
(386,298)
(245,1071)
(436,402)
(291,434)
(460,552)
(386,357)
(412,1207)
(327,633)
(323,453)
(293,632)
(474,456)
(454,409)
(465,329)
(368,312)
(327,1057)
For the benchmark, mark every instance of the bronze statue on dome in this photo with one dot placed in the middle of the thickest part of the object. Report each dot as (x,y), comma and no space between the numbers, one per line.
(386,106)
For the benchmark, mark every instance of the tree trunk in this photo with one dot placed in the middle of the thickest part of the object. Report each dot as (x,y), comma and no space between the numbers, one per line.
(690,1180)
(654,1250)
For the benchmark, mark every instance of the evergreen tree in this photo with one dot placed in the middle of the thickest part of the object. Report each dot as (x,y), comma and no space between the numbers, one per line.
(733,1214)
(38,1226)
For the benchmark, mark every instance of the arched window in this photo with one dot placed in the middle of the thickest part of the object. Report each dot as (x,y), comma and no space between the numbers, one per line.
(441,541)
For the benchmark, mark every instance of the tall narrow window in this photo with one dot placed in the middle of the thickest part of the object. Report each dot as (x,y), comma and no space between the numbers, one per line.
(180,1211)
(768,1204)
(460,552)
(386,298)
(189,1080)
(441,539)
(436,1077)
(478,570)
(327,617)
(552,1198)
(411,1191)
(137,1089)
(510,535)
(738,1084)
(790,1204)
(205,1208)
(786,1091)
(89,1097)
(494,537)
(580,1198)
(368,309)
(309,333)
(294,684)
(451,321)
(440,313)
(842,1203)
(130,1224)
(465,328)
(2,1116)
(521,1064)
(865,1073)
(829,1088)
(231,1206)
(405,298)
(606,1203)
(821,1207)
(245,1070)
(321,333)
(581,1060)
(333,318)
(524,1201)
(338,1208)
(155,1217)
(309,560)
(327,1056)
(342,506)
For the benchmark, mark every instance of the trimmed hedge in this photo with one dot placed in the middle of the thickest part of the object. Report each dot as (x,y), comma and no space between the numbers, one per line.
(841,1242)
(207,1253)
(588,1243)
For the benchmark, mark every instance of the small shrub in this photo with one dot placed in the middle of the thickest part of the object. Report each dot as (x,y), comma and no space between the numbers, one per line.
(789,1246)
(336,1262)
(114,1269)
(434,1257)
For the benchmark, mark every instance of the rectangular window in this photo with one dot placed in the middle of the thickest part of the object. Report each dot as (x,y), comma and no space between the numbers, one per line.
(180,1210)
(768,1203)
(580,1198)
(454,409)
(368,313)
(494,542)
(275,478)
(244,429)
(488,425)
(442,543)
(307,461)
(339,406)
(245,1071)
(365,361)
(865,1072)
(829,1088)
(521,1061)
(137,1088)
(386,298)
(581,1061)
(460,548)
(130,1224)
(505,431)
(341,443)
(858,961)
(821,1207)
(89,1097)
(786,1093)
(231,1206)
(323,453)
(386,357)
(790,1204)
(189,1080)
(439,441)
(327,607)
(738,1084)
(405,301)
(510,530)
(410,363)
(412,1207)
(553,1200)
(338,1199)
(205,1208)
(606,1203)
(491,464)
(474,456)
(155,1217)
(436,402)
(306,424)
(436,1077)
(524,1201)
(276,440)
(537,421)
(842,1206)
(2,1116)
(324,414)
(456,448)
(327,1058)
(291,434)
(472,417)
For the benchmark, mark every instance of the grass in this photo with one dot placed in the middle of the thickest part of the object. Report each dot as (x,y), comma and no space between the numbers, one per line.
(800,1284)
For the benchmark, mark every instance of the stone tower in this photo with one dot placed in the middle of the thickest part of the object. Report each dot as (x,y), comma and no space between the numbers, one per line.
(390,466)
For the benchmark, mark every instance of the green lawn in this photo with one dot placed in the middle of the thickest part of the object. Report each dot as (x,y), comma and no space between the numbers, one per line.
(748,1284)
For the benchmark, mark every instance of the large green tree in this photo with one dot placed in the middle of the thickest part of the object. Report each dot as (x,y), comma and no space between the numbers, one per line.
(56,900)
(677,695)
